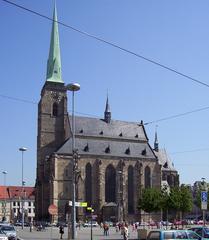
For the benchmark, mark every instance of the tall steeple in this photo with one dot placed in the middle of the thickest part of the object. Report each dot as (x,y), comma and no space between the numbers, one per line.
(156,144)
(54,73)
(107,113)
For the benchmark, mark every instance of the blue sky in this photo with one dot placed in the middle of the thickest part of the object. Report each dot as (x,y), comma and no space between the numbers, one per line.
(174,33)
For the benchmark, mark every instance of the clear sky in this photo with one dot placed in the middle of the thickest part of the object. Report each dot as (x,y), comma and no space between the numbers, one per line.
(173,33)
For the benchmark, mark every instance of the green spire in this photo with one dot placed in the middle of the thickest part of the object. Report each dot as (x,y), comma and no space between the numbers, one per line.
(54,73)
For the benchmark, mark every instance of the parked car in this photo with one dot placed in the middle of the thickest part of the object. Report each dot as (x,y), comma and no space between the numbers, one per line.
(3,236)
(10,231)
(172,234)
(201,230)
(88,224)
(166,223)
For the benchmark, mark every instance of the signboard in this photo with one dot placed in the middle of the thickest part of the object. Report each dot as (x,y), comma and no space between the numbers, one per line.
(204,200)
(94,217)
(78,204)
(53,210)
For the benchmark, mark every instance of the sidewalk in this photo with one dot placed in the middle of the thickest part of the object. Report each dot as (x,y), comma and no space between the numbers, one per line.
(83,234)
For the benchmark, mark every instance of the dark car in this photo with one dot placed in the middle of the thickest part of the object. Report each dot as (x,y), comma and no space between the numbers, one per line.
(201,231)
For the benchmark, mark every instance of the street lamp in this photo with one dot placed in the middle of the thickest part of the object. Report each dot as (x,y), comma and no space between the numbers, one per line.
(73,87)
(22,149)
(119,195)
(4,173)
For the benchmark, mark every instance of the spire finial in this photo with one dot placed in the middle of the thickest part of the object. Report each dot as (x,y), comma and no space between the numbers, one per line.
(107,113)
(54,73)
(156,144)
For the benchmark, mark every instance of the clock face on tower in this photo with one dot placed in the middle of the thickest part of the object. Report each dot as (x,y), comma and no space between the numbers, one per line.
(56,96)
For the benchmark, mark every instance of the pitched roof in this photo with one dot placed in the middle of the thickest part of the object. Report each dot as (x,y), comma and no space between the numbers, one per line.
(4,192)
(94,136)
(11,192)
(93,127)
(116,148)
(16,192)
(164,160)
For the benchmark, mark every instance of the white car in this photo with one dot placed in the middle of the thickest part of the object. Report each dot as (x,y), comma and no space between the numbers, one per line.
(3,236)
(9,231)
(88,224)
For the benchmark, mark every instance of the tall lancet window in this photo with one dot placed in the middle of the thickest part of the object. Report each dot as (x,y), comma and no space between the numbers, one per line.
(55,110)
(88,184)
(147,176)
(130,189)
(110,184)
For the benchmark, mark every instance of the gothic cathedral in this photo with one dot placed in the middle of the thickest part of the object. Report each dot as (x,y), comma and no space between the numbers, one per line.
(115,160)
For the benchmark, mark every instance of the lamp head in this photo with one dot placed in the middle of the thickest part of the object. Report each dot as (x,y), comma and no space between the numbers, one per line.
(73,87)
(23,149)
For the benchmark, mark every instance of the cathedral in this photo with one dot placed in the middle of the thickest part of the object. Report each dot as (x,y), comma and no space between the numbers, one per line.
(114,160)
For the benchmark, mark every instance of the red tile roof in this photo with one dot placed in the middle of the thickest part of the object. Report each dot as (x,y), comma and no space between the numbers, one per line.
(11,192)
(4,192)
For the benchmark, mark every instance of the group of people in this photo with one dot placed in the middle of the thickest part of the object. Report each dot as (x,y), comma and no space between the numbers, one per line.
(120,227)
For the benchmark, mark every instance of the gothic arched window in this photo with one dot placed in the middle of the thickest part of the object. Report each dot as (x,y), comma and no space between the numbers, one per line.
(147,176)
(55,110)
(130,189)
(110,184)
(88,184)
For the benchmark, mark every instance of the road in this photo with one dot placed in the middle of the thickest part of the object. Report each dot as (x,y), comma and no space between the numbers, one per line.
(52,233)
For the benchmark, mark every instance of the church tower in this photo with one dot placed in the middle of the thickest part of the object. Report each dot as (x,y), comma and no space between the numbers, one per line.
(52,120)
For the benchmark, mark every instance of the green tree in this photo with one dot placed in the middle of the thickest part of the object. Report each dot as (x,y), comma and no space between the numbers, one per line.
(186,199)
(150,200)
(180,200)
(165,200)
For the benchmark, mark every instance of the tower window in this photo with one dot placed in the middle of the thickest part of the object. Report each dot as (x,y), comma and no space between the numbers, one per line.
(55,110)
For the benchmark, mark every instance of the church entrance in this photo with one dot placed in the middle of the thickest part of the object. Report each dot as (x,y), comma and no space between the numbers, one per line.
(109,212)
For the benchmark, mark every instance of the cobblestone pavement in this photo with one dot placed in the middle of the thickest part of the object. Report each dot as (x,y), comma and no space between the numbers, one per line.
(83,234)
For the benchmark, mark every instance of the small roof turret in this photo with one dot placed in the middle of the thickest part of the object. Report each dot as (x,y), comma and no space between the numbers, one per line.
(156,144)
(107,113)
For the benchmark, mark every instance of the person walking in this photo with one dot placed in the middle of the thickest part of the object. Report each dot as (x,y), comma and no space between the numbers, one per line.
(125,232)
(61,230)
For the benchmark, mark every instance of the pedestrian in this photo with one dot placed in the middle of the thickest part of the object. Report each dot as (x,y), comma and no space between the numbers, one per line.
(116,228)
(31,226)
(125,232)
(108,233)
(61,228)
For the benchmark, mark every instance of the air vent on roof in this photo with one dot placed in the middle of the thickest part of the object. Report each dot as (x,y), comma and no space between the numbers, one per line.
(86,148)
(144,152)
(107,150)
(127,151)
(121,134)
(137,135)
(101,133)
(81,131)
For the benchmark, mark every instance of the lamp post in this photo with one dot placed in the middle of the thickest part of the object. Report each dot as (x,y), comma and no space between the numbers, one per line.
(22,150)
(120,218)
(4,209)
(73,87)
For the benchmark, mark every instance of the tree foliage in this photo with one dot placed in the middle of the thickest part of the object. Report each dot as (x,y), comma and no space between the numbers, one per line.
(150,200)
(178,199)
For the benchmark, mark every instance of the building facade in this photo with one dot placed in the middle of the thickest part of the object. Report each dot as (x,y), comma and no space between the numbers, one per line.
(14,200)
(114,159)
